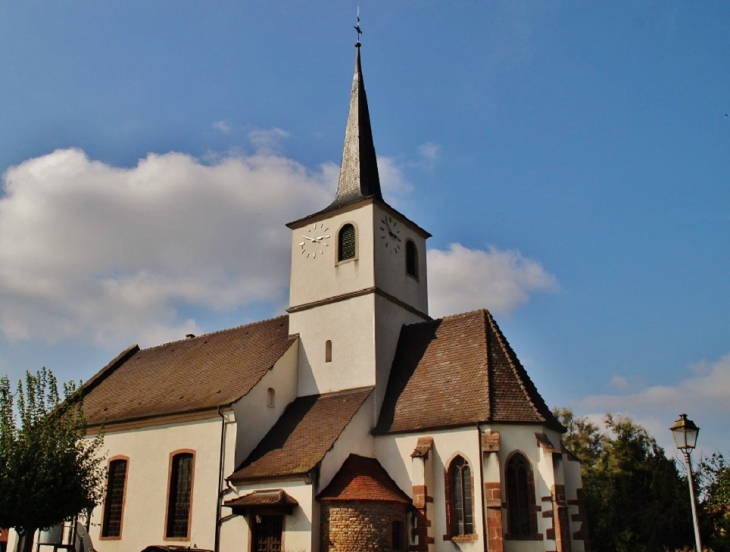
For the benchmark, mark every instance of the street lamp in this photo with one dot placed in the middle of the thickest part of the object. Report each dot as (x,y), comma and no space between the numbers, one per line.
(685,433)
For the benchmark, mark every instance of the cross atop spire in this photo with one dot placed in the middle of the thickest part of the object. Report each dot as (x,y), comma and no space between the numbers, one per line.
(358,30)
(359,170)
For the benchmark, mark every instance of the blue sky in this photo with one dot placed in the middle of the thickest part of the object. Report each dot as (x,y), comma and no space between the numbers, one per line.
(571,160)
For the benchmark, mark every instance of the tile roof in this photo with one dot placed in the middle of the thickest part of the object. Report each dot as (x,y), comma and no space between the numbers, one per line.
(277,497)
(362,478)
(302,436)
(458,371)
(203,372)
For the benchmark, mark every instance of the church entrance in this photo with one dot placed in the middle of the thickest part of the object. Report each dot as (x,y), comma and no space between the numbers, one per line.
(267,533)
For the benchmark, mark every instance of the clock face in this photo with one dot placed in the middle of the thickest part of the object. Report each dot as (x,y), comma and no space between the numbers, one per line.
(390,234)
(315,240)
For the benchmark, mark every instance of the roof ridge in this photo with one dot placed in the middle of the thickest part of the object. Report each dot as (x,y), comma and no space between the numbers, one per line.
(216,332)
(448,317)
(487,360)
(389,484)
(526,384)
(338,393)
(511,357)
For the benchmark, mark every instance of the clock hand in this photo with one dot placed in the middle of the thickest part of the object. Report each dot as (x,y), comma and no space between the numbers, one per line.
(308,238)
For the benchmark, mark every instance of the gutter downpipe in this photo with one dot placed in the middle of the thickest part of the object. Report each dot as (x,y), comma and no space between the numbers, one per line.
(481,490)
(219,498)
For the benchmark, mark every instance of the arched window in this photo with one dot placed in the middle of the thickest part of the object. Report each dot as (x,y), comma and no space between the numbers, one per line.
(270,397)
(328,351)
(459,496)
(346,243)
(411,259)
(179,496)
(114,500)
(521,517)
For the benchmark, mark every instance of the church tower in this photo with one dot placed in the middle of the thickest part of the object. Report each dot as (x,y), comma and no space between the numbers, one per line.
(358,272)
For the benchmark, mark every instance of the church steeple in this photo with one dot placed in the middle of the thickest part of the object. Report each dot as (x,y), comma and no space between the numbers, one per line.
(359,171)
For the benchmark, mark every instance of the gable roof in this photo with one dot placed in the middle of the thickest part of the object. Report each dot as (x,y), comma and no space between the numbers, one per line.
(302,436)
(195,374)
(362,478)
(458,371)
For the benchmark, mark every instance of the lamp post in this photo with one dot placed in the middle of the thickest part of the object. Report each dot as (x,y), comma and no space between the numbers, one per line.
(685,433)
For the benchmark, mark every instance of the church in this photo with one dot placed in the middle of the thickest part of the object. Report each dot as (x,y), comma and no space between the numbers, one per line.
(353,422)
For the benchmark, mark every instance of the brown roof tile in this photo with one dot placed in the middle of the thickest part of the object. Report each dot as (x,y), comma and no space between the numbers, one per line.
(458,371)
(302,436)
(362,478)
(184,376)
(277,497)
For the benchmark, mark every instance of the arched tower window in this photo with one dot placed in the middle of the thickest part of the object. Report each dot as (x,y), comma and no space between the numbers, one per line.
(459,498)
(411,259)
(328,351)
(346,243)
(270,397)
(521,517)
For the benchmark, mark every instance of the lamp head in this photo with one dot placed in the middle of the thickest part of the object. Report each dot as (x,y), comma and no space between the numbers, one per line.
(685,433)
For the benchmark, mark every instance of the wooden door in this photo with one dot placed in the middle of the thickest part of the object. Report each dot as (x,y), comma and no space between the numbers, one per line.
(267,534)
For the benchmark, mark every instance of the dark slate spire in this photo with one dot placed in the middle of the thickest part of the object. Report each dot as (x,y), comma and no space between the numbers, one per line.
(359,171)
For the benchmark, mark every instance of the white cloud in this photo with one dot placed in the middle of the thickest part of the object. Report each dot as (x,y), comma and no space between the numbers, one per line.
(113,254)
(222,126)
(93,252)
(461,279)
(705,395)
(428,155)
(392,180)
(709,387)
(267,140)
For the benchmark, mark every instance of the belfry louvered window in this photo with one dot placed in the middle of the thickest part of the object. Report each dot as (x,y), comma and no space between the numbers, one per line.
(114,499)
(346,243)
(180,495)
(411,259)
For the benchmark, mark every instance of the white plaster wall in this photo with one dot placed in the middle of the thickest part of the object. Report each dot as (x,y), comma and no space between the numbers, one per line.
(350,325)
(389,318)
(354,439)
(320,277)
(253,415)
(145,504)
(573,482)
(390,266)
(394,453)
(299,528)
(522,438)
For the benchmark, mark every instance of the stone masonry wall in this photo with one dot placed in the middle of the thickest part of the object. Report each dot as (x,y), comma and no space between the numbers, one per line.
(360,526)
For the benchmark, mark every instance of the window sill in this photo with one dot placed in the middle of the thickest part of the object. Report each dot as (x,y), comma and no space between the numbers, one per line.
(345,261)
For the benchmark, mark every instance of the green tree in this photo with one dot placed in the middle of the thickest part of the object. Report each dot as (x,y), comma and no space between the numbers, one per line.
(49,471)
(713,478)
(636,499)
